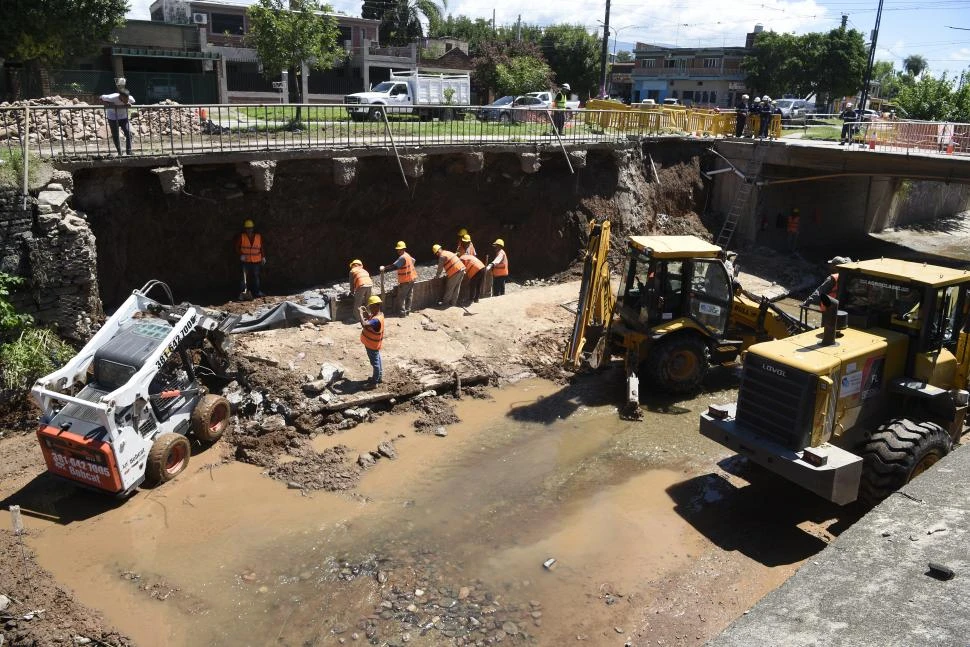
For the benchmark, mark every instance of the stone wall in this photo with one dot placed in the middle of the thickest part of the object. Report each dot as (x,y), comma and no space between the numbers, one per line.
(53,248)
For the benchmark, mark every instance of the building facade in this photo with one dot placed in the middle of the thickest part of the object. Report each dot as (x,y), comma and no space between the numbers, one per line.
(699,76)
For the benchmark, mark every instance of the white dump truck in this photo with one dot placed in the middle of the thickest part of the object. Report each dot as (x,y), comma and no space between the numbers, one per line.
(412,92)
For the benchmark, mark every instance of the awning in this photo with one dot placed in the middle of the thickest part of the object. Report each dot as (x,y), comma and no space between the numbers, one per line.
(235,54)
(161,53)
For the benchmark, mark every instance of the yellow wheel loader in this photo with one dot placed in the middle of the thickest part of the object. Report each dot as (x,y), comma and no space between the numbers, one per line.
(677,312)
(878,395)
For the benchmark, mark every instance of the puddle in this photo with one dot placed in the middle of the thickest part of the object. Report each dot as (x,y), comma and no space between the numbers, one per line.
(227,556)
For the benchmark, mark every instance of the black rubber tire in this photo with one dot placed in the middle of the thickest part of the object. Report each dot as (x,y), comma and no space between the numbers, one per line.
(376,114)
(676,364)
(168,458)
(356,116)
(210,417)
(505,118)
(896,453)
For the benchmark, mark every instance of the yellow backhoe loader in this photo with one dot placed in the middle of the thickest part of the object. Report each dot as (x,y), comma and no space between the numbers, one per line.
(677,312)
(878,395)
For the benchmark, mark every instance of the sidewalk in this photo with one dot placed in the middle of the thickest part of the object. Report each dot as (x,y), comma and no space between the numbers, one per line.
(871,586)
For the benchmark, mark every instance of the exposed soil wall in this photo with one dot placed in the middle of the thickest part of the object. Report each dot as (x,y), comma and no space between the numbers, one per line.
(313,227)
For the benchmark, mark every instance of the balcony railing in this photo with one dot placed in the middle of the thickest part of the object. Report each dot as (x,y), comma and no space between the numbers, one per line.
(397,52)
(687,72)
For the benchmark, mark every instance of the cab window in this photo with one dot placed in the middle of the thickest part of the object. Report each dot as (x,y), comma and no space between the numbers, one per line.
(710,295)
(399,89)
(944,327)
(877,302)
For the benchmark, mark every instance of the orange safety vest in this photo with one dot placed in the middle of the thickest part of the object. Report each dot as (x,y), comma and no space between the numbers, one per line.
(251,249)
(452,263)
(500,268)
(466,249)
(833,293)
(406,273)
(374,339)
(472,265)
(793,224)
(359,278)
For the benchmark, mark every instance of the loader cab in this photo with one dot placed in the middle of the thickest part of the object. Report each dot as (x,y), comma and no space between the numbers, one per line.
(674,277)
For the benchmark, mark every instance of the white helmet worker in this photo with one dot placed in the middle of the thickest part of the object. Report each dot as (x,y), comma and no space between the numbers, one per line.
(565,86)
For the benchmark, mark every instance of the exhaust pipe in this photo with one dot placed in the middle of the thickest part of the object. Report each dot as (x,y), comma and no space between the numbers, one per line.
(833,319)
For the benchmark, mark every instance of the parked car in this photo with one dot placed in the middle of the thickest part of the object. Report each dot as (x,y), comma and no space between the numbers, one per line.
(670,101)
(498,110)
(546,99)
(792,109)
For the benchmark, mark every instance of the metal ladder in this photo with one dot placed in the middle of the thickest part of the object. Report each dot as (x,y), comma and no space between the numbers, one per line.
(751,173)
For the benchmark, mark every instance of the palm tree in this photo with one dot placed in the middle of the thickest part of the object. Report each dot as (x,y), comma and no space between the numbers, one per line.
(402,20)
(915,64)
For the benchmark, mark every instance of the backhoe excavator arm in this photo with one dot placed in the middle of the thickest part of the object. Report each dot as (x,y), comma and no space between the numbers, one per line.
(596,298)
(762,317)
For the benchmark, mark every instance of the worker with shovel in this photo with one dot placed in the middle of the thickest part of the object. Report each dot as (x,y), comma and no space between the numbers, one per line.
(252,255)
(454,270)
(360,283)
(474,276)
(372,337)
(406,276)
(499,267)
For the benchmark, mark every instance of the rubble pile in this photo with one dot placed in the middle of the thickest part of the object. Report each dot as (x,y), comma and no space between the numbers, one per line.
(76,122)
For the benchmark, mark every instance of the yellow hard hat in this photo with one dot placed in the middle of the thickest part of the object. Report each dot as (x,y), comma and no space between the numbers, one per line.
(373,300)
(462,232)
(499,242)
(435,249)
(356,261)
(466,238)
(248,224)
(401,245)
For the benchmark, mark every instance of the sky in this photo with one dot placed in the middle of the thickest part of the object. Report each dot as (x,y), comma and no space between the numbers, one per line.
(907,27)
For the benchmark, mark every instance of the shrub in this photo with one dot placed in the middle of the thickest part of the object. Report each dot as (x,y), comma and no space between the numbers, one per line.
(35,353)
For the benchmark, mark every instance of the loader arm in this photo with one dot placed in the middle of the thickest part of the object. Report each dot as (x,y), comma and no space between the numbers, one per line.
(596,298)
(763,318)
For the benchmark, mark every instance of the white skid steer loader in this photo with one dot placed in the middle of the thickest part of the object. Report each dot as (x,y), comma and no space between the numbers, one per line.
(118,414)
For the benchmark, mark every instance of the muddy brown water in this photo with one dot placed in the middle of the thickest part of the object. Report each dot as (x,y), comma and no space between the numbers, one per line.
(652,541)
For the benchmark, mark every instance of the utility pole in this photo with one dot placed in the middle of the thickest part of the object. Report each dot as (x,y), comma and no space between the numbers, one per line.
(864,98)
(518,28)
(493,21)
(845,19)
(605,49)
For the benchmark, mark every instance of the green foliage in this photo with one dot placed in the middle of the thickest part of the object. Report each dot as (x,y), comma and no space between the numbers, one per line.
(936,99)
(449,94)
(36,352)
(286,33)
(479,30)
(401,20)
(47,31)
(623,56)
(826,64)
(522,74)
(574,56)
(493,53)
(914,64)
(10,320)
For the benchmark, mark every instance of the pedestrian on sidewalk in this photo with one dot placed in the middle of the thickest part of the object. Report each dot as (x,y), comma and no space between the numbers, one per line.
(372,337)
(360,283)
(454,270)
(116,111)
(465,245)
(252,256)
(406,276)
(474,277)
(499,267)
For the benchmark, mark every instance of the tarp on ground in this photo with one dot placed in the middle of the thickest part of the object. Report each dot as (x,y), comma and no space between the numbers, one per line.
(315,307)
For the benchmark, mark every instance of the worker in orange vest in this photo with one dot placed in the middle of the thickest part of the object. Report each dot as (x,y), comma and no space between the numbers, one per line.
(454,269)
(474,276)
(794,223)
(829,286)
(372,337)
(465,245)
(360,283)
(252,255)
(406,276)
(499,267)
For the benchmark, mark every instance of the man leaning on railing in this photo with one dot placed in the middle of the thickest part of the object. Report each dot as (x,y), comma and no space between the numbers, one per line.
(116,111)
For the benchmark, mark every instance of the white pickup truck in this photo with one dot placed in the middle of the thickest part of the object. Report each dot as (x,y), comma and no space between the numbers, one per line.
(547,97)
(425,95)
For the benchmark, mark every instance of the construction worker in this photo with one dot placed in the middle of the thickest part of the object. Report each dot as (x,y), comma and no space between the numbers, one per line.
(360,283)
(252,255)
(372,337)
(764,111)
(465,244)
(499,267)
(741,118)
(829,286)
(474,276)
(559,104)
(850,124)
(406,276)
(454,271)
(794,223)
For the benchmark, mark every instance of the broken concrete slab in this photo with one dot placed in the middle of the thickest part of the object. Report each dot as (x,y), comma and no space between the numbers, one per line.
(578,159)
(171,178)
(474,162)
(531,162)
(330,372)
(262,172)
(413,165)
(344,170)
(55,198)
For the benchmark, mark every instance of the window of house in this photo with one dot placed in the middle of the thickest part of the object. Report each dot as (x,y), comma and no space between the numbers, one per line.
(345,34)
(700,83)
(713,97)
(670,63)
(648,62)
(688,95)
(673,94)
(222,23)
(711,62)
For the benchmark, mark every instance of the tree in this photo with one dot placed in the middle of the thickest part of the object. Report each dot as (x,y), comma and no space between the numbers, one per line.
(285,38)
(401,20)
(48,31)
(915,64)
(935,99)
(522,74)
(574,55)
(623,56)
(775,65)
(888,78)
(493,53)
(839,66)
